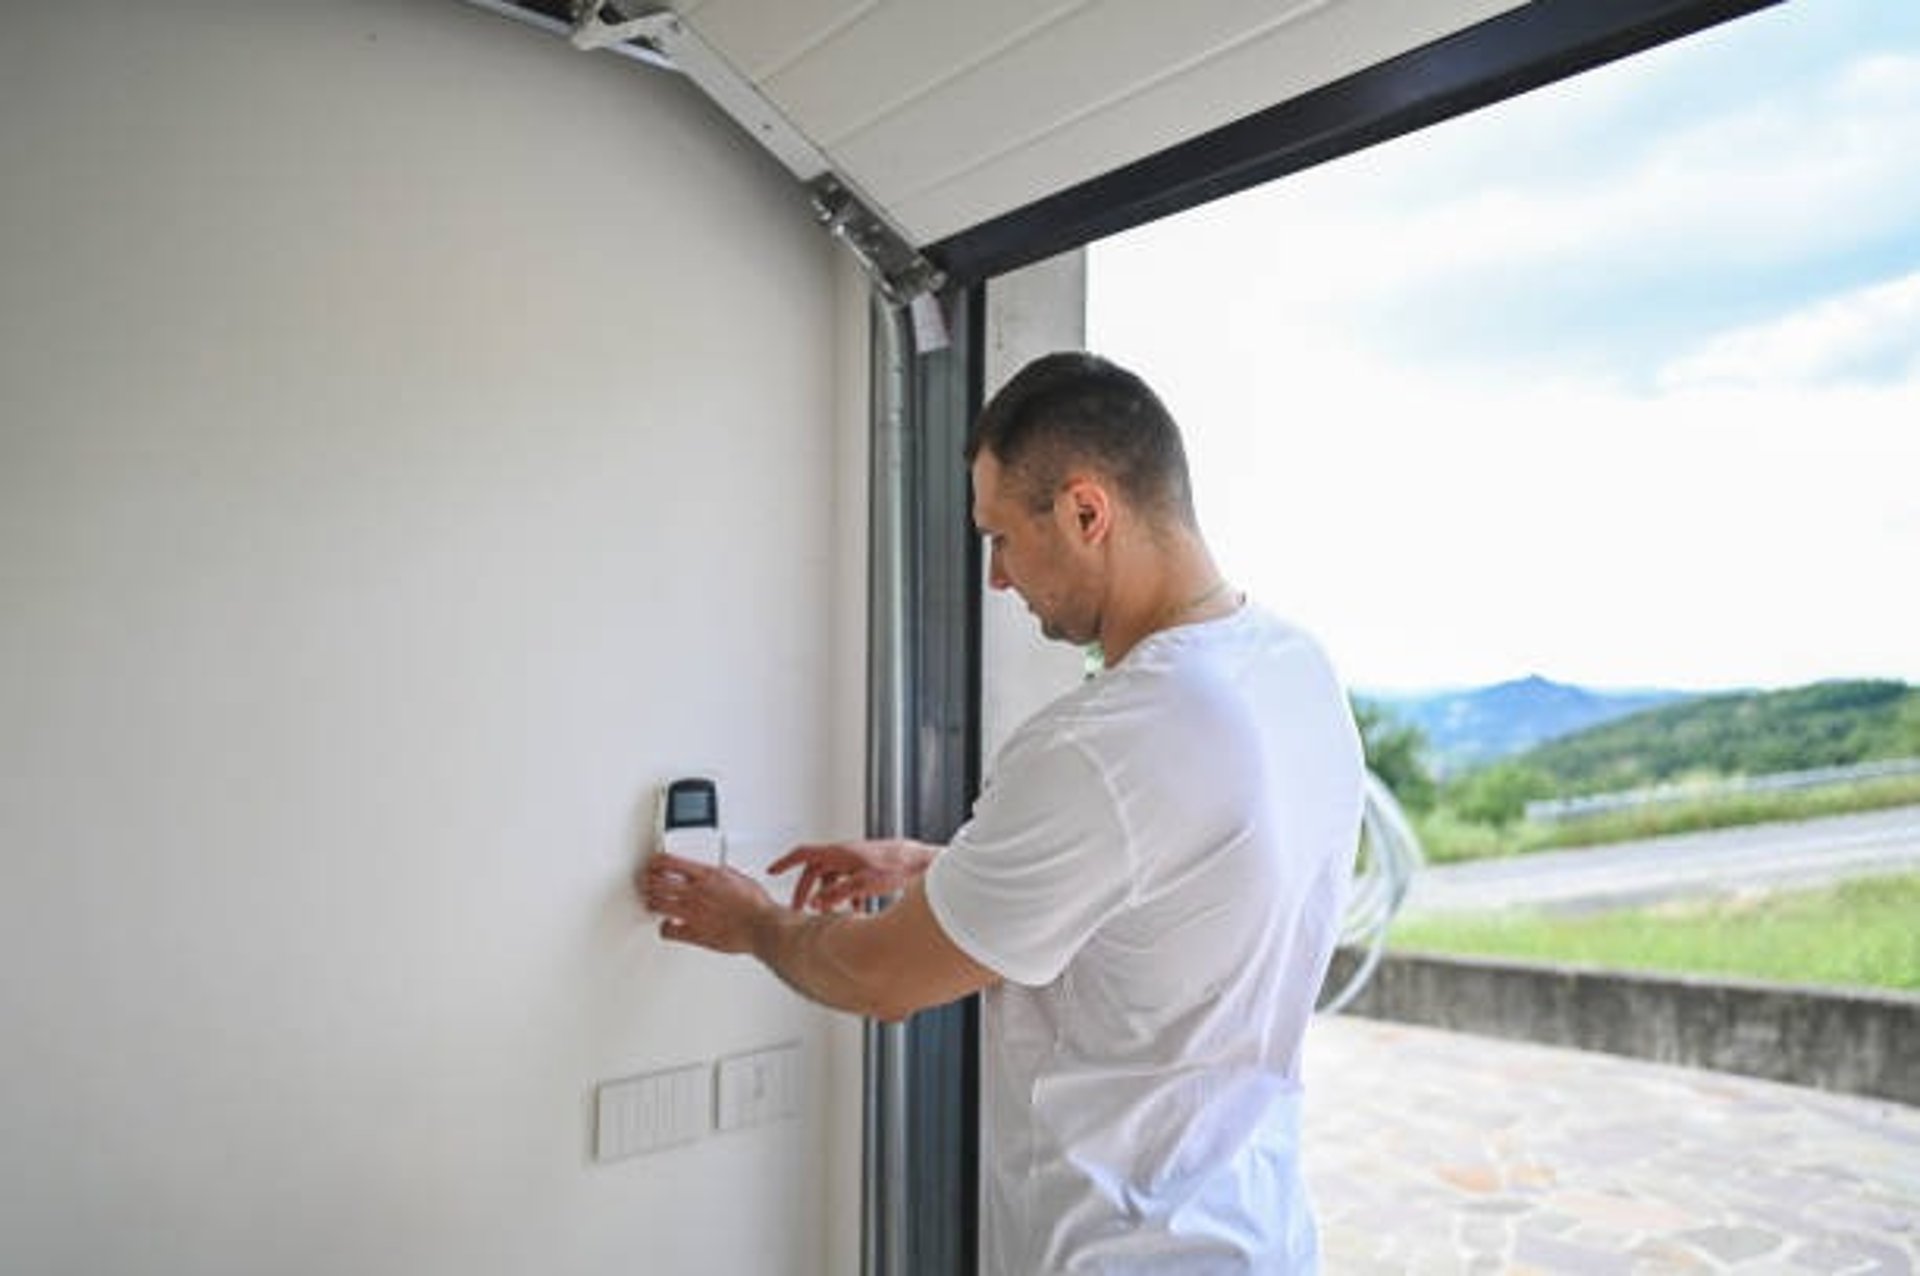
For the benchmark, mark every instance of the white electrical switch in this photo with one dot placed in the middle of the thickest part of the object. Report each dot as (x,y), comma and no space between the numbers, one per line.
(758,1088)
(659,1110)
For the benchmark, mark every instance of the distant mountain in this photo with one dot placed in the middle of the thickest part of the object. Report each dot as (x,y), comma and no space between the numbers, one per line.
(1821,724)
(1466,728)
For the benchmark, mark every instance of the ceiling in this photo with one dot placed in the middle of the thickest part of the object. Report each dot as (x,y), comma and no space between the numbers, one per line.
(944,115)
(947,114)
(948,118)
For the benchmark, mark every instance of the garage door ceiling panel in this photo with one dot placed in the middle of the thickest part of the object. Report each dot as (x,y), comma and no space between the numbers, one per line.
(759,37)
(936,202)
(1089,93)
(899,54)
(947,114)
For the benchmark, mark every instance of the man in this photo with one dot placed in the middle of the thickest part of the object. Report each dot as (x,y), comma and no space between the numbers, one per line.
(1150,886)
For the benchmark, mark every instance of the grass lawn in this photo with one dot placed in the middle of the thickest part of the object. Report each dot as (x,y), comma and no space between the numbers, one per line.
(1862,933)
(1448,839)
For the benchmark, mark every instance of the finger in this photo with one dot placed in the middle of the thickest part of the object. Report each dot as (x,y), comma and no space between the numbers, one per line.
(670,872)
(805,853)
(852,886)
(798,855)
(665,863)
(808,884)
(665,887)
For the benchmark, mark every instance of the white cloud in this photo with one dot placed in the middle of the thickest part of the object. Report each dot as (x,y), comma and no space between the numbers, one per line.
(1747,516)
(1441,530)
(1709,538)
(1745,200)
(1871,333)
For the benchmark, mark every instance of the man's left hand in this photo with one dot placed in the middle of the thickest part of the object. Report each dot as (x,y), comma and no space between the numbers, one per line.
(700,904)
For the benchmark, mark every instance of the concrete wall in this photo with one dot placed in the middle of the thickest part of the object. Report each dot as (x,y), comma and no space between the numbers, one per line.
(1855,1042)
(417,440)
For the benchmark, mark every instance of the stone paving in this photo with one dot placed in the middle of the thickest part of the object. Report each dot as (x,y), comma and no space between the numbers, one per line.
(1437,1152)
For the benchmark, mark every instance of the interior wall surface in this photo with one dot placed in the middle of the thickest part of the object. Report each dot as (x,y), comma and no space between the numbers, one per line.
(418,440)
(1033,311)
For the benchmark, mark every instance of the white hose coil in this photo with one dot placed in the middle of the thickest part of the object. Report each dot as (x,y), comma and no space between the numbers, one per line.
(1388,857)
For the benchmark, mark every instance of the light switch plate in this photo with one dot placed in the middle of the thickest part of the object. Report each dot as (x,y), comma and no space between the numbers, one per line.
(658,1110)
(759,1087)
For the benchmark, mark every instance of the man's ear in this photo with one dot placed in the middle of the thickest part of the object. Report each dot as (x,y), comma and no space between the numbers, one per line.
(1090,508)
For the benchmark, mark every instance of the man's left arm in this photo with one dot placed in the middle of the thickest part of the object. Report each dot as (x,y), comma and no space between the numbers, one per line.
(886,965)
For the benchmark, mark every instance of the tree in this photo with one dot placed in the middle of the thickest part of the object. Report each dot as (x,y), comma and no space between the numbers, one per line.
(1396,752)
(1497,794)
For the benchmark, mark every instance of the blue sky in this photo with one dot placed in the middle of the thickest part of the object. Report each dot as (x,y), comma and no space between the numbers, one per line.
(1617,382)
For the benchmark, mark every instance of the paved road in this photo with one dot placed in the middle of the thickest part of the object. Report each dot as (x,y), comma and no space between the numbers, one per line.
(1803,853)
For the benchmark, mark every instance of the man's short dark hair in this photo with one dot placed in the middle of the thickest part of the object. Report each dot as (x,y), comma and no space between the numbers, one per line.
(1076,409)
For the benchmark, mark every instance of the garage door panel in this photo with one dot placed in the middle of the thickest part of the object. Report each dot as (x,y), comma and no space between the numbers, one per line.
(937,172)
(901,53)
(759,38)
(949,114)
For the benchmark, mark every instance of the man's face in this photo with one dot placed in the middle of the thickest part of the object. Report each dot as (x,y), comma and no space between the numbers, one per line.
(1035,554)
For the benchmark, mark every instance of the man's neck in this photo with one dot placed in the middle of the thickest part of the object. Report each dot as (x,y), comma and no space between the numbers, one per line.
(1187,588)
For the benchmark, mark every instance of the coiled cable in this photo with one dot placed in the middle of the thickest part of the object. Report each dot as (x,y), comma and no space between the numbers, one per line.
(1388,857)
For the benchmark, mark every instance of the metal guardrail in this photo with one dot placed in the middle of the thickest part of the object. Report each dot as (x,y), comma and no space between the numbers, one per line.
(1551,810)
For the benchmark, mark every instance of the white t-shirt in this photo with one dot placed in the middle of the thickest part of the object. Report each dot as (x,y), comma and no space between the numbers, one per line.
(1156,868)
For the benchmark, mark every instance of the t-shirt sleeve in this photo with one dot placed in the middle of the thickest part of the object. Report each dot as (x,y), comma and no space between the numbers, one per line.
(1042,863)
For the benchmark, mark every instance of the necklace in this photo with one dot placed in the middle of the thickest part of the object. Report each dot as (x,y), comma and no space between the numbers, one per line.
(1198,601)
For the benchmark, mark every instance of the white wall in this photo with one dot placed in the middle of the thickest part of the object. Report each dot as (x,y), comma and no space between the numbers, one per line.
(416,440)
(1030,312)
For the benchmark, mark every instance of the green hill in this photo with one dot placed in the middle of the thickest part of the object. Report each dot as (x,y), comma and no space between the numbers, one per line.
(1739,733)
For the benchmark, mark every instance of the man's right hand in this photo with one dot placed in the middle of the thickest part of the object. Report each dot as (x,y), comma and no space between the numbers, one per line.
(837,873)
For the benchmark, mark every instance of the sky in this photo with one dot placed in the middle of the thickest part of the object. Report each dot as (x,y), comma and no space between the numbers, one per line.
(1617,382)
